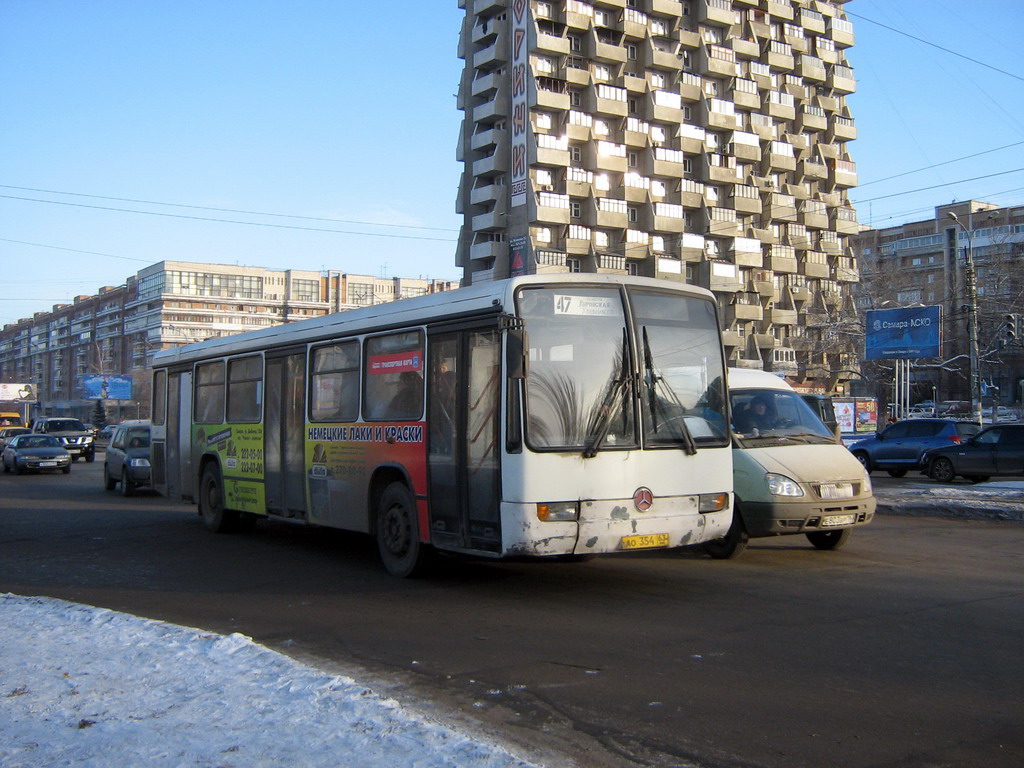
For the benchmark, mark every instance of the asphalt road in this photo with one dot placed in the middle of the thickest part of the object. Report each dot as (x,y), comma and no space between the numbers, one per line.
(903,649)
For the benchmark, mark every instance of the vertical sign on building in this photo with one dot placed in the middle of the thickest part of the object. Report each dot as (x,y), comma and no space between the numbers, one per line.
(520,102)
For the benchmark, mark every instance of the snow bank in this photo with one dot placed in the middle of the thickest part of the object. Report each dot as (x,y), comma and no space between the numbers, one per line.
(86,686)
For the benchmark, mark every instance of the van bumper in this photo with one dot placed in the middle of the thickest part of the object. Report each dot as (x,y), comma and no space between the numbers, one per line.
(785,517)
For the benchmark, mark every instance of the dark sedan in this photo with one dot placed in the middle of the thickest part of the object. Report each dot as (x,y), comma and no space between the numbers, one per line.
(997,450)
(35,453)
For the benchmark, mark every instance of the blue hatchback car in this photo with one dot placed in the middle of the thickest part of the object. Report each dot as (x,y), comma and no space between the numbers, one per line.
(899,447)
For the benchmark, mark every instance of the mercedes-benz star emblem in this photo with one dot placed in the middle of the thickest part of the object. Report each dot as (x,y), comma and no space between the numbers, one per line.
(643,499)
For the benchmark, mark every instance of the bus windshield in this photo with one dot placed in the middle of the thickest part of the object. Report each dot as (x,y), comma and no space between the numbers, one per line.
(598,383)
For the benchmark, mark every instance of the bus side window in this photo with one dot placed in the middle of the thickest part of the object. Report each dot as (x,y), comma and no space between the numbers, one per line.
(394,377)
(334,385)
(209,405)
(245,389)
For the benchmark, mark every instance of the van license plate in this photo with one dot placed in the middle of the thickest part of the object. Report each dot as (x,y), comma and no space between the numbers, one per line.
(833,520)
(836,490)
(646,541)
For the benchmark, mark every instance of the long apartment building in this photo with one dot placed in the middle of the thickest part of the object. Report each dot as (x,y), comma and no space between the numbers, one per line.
(169,304)
(925,262)
(701,141)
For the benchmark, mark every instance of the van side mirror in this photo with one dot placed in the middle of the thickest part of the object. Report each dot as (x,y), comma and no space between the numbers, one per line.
(517,347)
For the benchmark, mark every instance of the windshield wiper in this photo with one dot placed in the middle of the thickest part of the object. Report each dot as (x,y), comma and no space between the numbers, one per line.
(656,383)
(602,422)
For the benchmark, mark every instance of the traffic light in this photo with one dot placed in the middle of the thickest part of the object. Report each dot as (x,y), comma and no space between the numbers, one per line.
(1013,327)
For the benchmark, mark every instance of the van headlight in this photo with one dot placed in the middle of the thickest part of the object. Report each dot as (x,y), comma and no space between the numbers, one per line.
(139,462)
(780,485)
(866,484)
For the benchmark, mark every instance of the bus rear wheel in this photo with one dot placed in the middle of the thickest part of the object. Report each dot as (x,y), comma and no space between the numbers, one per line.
(398,536)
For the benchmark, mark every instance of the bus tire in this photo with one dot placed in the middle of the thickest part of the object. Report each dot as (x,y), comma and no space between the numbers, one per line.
(398,538)
(734,541)
(211,502)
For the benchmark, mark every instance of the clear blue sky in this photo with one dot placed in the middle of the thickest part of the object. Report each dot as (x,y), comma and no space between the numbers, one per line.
(332,109)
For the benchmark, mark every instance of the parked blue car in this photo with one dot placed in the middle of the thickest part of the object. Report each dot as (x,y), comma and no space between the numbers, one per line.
(900,447)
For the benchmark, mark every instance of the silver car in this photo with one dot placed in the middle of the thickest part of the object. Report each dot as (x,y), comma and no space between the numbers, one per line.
(127,458)
(35,453)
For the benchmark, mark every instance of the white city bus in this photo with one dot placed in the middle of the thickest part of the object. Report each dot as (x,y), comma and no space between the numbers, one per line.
(547,415)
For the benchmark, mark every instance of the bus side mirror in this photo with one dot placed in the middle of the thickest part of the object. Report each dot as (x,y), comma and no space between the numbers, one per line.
(517,346)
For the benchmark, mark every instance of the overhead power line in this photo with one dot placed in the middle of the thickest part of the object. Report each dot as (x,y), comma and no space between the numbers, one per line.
(935,45)
(938,165)
(934,186)
(228,221)
(224,210)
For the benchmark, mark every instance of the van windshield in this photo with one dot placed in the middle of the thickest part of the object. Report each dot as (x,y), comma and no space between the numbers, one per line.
(770,416)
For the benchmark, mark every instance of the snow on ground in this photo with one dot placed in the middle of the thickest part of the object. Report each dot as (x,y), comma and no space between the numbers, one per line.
(84,686)
(996,500)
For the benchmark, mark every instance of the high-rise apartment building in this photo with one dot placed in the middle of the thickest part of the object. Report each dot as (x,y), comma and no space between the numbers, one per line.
(169,304)
(925,262)
(702,141)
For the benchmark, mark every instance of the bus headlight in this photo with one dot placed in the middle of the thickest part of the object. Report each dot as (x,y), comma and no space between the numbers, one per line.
(713,502)
(780,485)
(559,511)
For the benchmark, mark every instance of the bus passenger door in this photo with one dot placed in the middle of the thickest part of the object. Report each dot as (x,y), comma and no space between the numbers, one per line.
(462,438)
(179,436)
(283,439)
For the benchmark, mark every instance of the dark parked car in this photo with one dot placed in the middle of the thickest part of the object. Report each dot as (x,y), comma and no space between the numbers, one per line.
(127,458)
(993,451)
(35,453)
(900,447)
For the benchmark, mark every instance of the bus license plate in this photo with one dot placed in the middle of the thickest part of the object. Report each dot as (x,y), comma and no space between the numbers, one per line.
(833,520)
(646,541)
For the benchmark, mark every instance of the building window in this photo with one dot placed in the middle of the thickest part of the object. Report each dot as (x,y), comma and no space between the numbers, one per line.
(575,210)
(574,265)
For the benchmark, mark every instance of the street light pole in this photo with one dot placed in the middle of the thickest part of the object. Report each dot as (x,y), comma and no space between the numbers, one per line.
(971,283)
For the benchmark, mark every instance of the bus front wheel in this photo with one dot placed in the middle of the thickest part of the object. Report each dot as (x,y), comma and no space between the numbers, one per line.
(398,536)
(211,502)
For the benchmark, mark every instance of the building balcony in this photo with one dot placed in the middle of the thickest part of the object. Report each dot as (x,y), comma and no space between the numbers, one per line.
(486,139)
(489,6)
(493,110)
(841,79)
(844,221)
(494,55)
(774,160)
(487,194)
(720,276)
(843,173)
(762,283)
(809,119)
(842,129)
(723,65)
(486,84)
(841,32)
(779,207)
(552,44)
(776,316)
(669,269)
(743,48)
(494,249)
(731,338)
(781,109)
(651,56)
(492,165)
(691,247)
(762,341)
(743,313)
(552,208)
(814,269)
(781,263)
(608,53)
(746,252)
(553,99)
(743,203)
(777,57)
(717,12)
(812,169)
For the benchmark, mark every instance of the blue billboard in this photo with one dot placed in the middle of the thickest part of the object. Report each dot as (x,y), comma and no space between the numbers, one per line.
(906,333)
(107,387)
